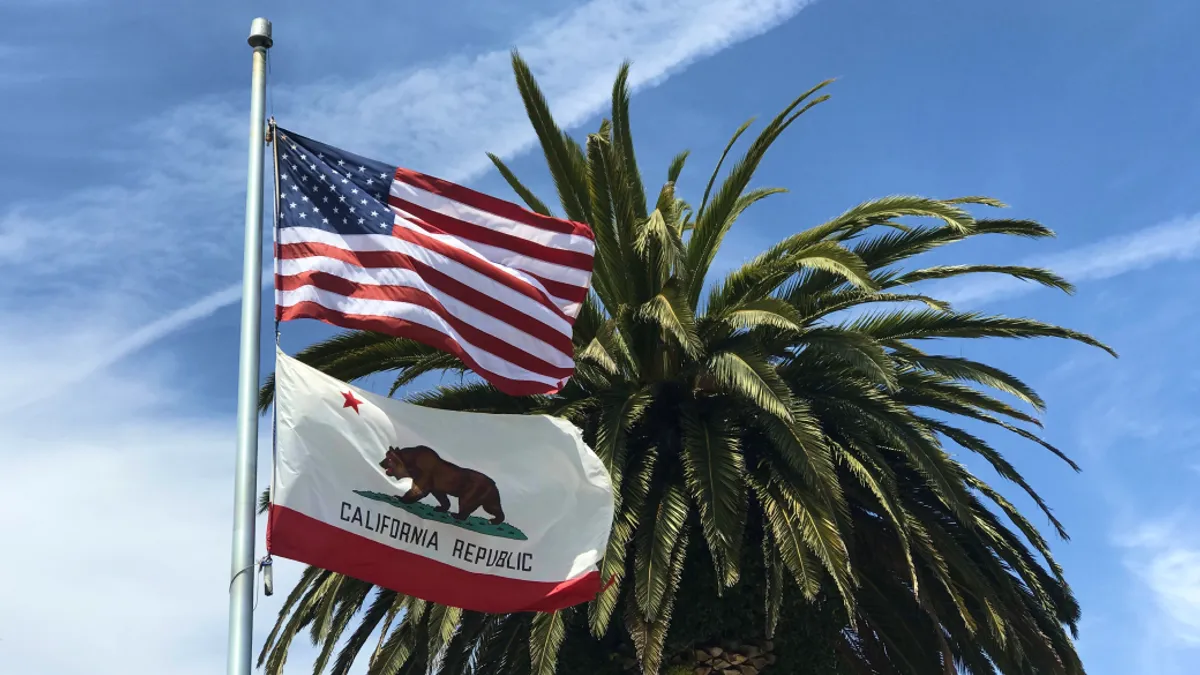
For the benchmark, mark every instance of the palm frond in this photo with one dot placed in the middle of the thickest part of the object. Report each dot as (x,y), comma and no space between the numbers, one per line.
(767,312)
(750,378)
(654,543)
(716,479)
(429,364)
(635,490)
(858,352)
(515,183)
(766,273)
(820,306)
(713,221)
(668,312)
(898,206)
(788,539)
(676,167)
(403,642)
(288,621)
(623,139)
(720,162)
(475,397)
(931,399)
(443,623)
(275,651)
(612,287)
(545,637)
(1002,466)
(457,655)
(1033,274)
(572,187)
(618,413)
(380,610)
(650,635)
(967,369)
(658,244)
(925,325)
(868,474)
(353,596)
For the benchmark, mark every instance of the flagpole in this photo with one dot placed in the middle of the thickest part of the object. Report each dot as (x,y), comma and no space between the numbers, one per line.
(241,586)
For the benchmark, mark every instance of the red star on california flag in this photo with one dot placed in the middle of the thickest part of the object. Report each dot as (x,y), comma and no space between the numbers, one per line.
(351,402)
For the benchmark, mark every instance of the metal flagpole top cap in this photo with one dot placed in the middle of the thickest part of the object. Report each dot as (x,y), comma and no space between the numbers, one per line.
(260,33)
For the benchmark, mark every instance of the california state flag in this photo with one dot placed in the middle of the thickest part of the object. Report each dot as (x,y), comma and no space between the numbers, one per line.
(493,513)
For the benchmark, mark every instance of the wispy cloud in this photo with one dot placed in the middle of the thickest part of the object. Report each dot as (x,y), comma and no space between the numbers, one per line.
(136,551)
(446,116)
(1165,555)
(169,228)
(117,344)
(1133,428)
(1175,240)
(117,508)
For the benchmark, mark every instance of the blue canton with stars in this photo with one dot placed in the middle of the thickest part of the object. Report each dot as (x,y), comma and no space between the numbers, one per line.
(323,187)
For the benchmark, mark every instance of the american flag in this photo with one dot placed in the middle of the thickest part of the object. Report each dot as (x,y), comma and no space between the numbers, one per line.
(366,245)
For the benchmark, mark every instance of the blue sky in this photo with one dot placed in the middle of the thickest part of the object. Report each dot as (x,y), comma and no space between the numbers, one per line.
(120,232)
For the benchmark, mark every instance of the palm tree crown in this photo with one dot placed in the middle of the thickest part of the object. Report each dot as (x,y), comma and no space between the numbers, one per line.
(780,423)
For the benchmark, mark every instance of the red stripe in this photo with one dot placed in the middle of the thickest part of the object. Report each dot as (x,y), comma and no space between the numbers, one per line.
(440,222)
(406,329)
(491,204)
(426,241)
(478,337)
(375,259)
(291,534)
(441,283)
(560,290)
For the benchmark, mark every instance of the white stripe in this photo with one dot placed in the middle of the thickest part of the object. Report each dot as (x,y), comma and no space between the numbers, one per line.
(504,256)
(500,256)
(520,302)
(453,268)
(393,276)
(475,216)
(415,314)
(572,308)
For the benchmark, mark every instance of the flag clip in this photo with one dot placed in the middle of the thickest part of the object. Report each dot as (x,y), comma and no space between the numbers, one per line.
(268,575)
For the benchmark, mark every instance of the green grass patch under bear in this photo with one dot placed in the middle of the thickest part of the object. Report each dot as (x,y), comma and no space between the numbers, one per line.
(427,512)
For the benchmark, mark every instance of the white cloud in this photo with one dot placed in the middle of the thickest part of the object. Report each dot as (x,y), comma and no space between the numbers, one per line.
(445,117)
(1165,556)
(115,515)
(136,244)
(1175,240)
(116,512)
(1135,434)
(97,348)
(1174,576)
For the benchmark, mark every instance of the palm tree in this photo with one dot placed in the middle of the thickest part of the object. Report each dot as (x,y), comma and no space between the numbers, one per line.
(777,440)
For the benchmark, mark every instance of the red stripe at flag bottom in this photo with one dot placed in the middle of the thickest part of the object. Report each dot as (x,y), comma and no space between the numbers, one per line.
(291,534)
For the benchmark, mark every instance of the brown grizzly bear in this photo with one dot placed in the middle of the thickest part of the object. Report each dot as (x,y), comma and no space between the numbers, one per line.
(432,475)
